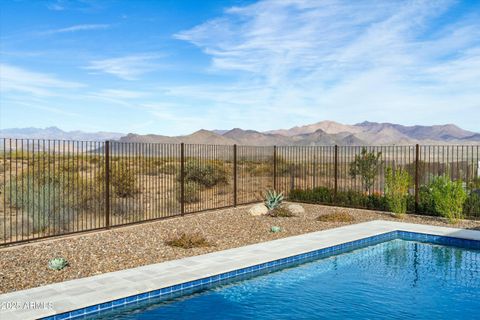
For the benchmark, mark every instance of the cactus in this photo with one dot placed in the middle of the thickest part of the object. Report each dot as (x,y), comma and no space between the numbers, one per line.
(273,199)
(57,263)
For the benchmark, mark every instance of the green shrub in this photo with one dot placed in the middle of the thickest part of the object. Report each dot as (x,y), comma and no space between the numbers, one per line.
(396,190)
(207,174)
(448,197)
(366,166)
(375,201)
(426,203)
(471,207)
(191,192)
(348,198)
(315,195)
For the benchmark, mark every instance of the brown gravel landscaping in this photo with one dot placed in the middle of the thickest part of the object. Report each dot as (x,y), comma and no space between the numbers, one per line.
(25,266)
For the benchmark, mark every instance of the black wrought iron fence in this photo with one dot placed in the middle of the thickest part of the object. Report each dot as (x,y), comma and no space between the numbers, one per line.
(56,187)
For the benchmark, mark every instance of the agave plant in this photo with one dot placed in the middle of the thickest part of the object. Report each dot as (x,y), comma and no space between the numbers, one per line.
(273,199)
(57,263)
(275,229)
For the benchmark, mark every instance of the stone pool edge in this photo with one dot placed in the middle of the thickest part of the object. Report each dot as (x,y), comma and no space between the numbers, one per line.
(77,298)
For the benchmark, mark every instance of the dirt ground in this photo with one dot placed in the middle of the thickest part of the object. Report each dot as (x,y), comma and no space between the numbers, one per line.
(25,266)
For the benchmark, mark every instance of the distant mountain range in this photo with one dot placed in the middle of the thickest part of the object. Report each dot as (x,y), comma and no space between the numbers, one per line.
(325,133)
(55,133)
(321,133)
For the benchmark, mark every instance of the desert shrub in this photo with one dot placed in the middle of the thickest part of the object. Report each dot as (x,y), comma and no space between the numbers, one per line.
(131,210)
(150,170)
(448,197)
(396,190)
(471,206)
(97,159)
(19,154)
(205,174)
(188,241)
(41,197)
(259,169)
(169,168)
(290,169)
(280,211)
(191,192)
(339,216)
(37,203)
(72,165)
(366,165)
(122,179)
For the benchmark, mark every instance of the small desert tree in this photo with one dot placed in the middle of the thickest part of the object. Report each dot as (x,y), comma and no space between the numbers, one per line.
(366,165)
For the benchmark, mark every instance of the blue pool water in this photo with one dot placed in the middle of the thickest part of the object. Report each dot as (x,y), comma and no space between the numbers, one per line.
(392,280)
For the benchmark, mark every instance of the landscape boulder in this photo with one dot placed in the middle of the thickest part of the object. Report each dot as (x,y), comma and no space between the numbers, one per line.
(295,208)
(258,210)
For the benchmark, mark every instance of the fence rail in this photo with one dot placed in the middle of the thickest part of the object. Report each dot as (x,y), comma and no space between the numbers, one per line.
(56,187)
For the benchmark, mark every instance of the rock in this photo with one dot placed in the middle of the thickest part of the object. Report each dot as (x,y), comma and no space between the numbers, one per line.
(258,210)
(295,208)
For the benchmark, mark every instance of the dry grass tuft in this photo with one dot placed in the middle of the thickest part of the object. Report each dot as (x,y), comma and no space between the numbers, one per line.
(338,216)
(281,211)
(188,241)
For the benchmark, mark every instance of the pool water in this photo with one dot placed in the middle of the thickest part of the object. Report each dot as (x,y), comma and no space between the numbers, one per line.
(397,279)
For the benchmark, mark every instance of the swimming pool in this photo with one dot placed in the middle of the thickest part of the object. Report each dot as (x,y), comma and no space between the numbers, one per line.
(399,279)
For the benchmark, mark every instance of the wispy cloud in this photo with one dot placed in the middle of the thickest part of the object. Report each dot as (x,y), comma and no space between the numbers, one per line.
(17,79)
(75,28)
(330,58)
(127,67)
(56,5)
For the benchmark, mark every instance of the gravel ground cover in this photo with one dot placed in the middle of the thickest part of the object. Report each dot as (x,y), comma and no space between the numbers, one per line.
(25,266)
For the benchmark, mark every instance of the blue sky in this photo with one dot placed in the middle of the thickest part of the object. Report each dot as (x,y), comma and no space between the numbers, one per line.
(173,67)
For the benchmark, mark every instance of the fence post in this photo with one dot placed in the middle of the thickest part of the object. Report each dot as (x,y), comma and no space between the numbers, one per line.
(274,167)
(182,178)
(417,154)
(107,184)
(336,172)
(234,175)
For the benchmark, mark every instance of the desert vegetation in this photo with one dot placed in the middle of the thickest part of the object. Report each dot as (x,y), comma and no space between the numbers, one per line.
(46,193)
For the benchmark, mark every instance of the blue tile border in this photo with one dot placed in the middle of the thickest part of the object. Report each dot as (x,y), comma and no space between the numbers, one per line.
(247,272)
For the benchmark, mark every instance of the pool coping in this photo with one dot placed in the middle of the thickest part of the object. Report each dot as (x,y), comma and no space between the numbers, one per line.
(72,298)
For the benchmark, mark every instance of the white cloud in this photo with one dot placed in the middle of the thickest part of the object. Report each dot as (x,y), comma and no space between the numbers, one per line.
(17,79)
(128,67)
(75,28)
(347,60)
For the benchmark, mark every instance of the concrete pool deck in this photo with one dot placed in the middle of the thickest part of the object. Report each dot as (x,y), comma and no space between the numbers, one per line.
(66,296)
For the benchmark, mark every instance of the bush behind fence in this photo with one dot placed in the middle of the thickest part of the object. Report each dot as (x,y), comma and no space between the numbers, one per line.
(55,187)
